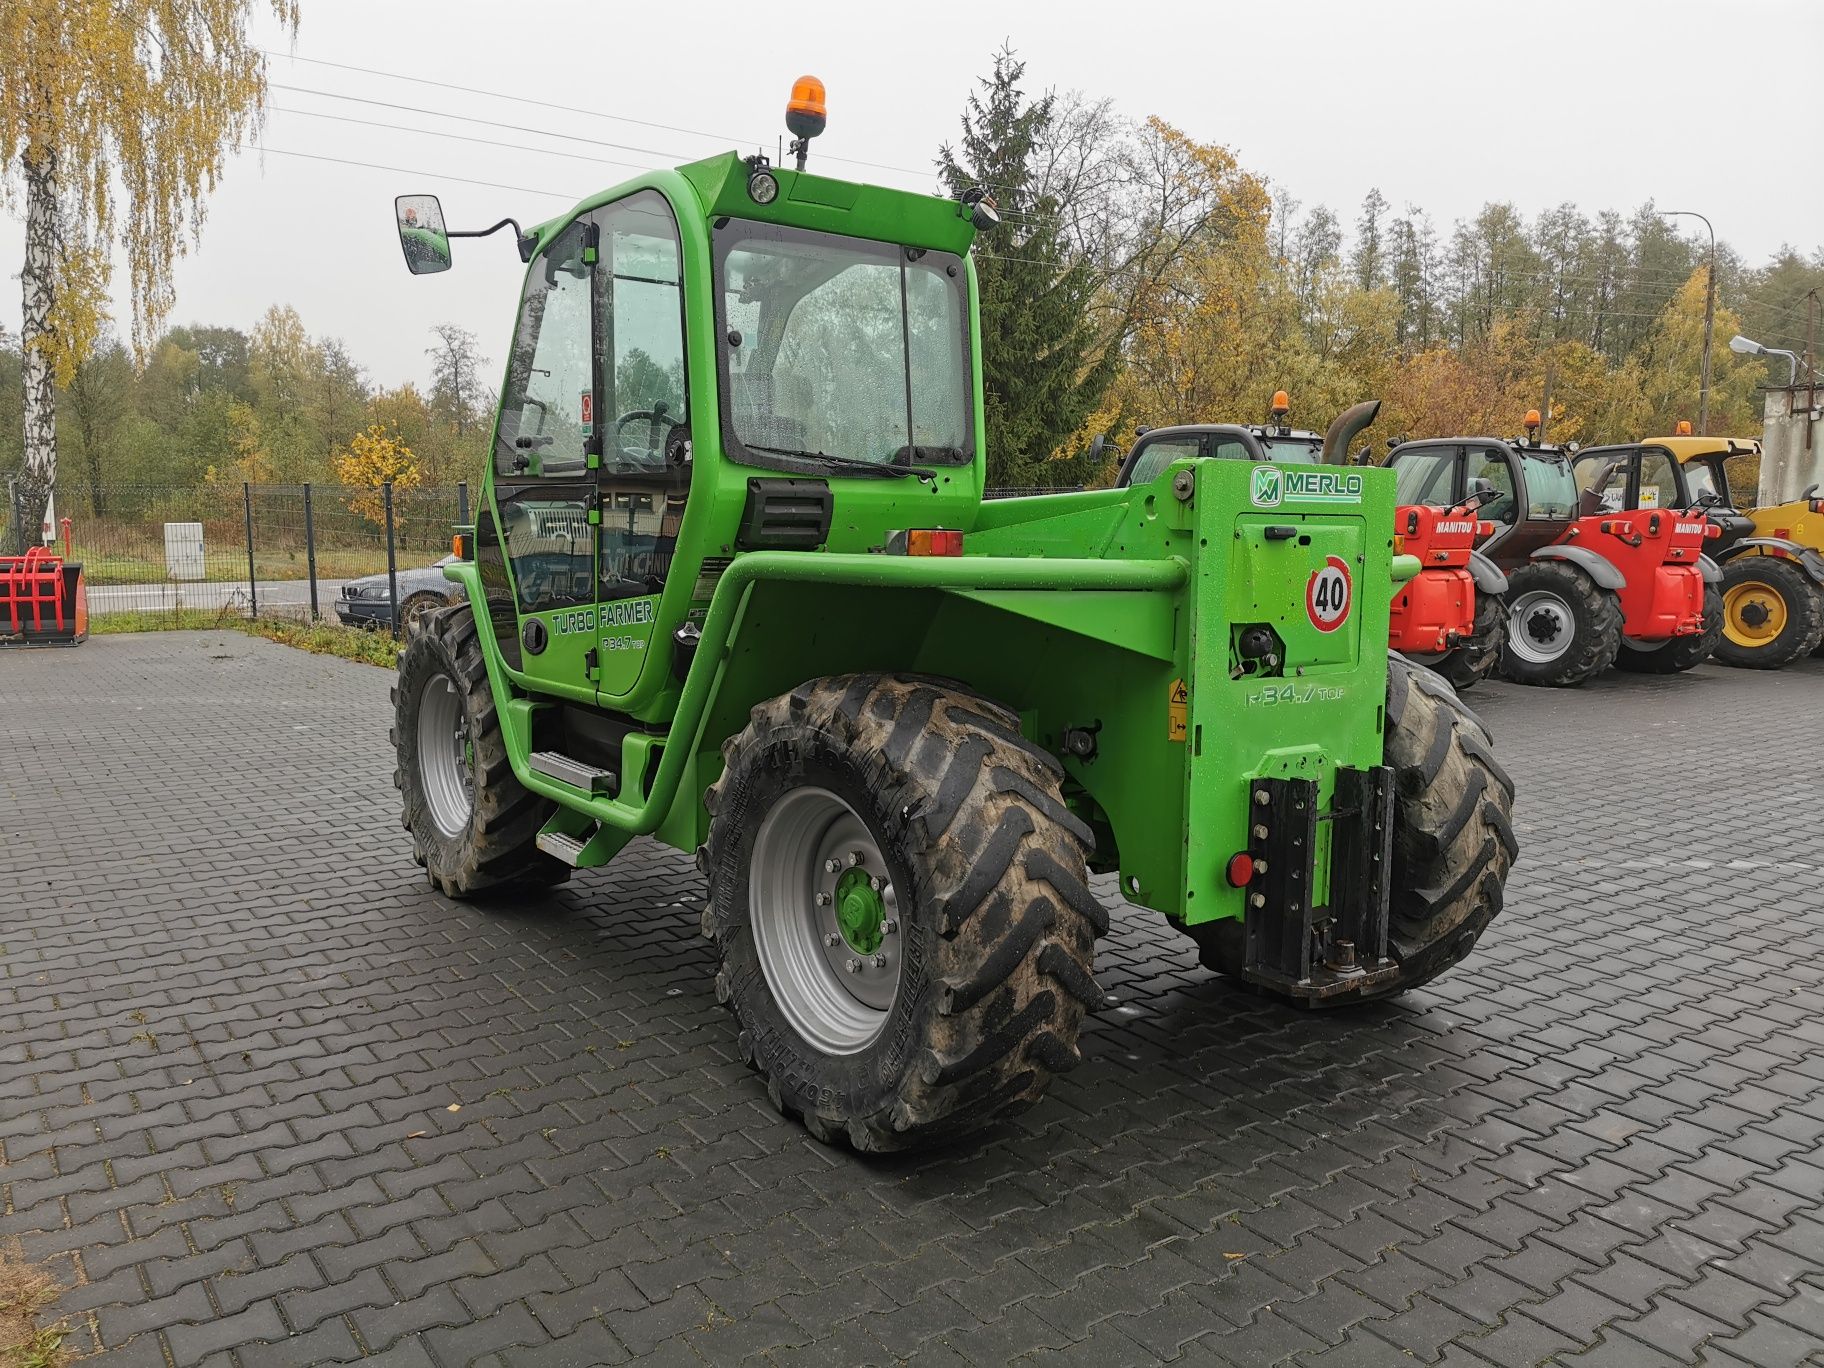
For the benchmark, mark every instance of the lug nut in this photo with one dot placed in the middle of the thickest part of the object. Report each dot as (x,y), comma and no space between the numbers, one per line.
(853,966)
(880,961)
(832,866)
(888,927)
(831,938)
(823,900)
(877,883)
(855,857)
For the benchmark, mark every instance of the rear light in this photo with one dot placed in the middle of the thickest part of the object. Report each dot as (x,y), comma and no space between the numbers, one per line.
(934,541)
(1485,529)
(1783,533)
(457,546)
(1399,543)
(1712,531)
(1241,869)
(1412,522)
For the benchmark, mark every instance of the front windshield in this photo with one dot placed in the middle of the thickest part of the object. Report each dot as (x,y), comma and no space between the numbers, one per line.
(842,350)
(1551,488)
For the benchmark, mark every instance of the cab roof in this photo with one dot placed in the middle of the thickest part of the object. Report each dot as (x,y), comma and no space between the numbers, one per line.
(1696,448)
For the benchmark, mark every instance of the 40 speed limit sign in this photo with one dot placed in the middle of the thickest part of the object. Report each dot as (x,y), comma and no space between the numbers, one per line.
(1329,594)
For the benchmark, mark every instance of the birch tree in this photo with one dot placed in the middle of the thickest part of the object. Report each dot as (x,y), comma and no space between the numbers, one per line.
(116,117)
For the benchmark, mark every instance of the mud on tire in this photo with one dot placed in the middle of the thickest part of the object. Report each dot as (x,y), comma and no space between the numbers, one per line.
(1680,653)
(496,843)
(1480,656)
(997,924)
(1594,616)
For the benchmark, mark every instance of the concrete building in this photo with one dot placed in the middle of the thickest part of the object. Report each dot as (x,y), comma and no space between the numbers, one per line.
(1792,447)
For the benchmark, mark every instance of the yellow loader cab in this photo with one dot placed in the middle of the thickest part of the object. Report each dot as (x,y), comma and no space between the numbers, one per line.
(1772,558)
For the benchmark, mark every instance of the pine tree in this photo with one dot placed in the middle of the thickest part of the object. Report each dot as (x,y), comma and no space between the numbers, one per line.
(1044,368)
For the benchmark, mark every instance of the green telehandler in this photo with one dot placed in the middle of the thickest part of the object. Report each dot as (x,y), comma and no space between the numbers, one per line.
(732,583)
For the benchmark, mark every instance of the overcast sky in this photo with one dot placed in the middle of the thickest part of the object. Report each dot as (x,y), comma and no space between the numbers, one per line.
(1441,103)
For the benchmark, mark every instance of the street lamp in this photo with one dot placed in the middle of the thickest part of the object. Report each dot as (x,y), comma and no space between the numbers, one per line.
(1703,394)
(1747,346)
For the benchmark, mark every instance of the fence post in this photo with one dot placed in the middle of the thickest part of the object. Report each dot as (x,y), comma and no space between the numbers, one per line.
(462,502)
(310,553)
(392,563)
(253,592)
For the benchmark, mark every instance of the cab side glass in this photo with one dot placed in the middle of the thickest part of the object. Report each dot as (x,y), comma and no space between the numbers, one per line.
(1491,476)
(422,236)
(1426,476)
(1158,455)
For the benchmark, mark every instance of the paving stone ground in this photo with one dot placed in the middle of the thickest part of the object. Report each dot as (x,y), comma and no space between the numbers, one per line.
(266,1100)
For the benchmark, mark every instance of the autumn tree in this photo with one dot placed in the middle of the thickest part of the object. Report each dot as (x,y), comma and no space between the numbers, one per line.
(374,458)
(115,122)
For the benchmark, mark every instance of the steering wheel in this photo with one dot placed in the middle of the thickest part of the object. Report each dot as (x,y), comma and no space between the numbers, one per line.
(653,417)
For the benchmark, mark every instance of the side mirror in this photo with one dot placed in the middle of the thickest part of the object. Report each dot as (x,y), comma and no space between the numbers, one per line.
(422,236)
(1097,446)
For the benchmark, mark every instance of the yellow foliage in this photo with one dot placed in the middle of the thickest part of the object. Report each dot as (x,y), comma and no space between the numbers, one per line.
(371,459)
(135,104)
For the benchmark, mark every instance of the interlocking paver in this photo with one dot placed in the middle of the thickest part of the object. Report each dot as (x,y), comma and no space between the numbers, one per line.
(232,1018)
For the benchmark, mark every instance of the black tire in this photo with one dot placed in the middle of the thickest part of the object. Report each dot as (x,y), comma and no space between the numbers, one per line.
(416,609)
(1680,653)
(1480,656)
(1592,616)
(497,843)
(1758,584)
(1453,839)
(988,869)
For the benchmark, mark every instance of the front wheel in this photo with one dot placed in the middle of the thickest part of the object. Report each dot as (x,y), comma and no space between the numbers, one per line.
(1561,627)
(901,905)
(473,826)
(1773,613)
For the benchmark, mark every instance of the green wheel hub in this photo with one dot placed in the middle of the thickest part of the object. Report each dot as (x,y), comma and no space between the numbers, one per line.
(860,912)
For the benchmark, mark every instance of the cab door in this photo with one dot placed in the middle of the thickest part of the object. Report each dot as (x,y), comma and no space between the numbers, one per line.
(645,449)
(536,541)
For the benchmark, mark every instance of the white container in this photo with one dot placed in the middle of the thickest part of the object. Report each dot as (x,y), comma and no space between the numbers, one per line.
(184,551)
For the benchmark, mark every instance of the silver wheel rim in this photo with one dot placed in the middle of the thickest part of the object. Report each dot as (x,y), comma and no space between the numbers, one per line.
(445,758)
(1540,627)
(836,996)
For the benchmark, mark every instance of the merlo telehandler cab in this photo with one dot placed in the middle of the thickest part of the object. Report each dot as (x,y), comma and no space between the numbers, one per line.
(733,584)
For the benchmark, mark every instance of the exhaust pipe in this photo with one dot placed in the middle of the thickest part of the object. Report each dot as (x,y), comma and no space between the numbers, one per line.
(1349,422)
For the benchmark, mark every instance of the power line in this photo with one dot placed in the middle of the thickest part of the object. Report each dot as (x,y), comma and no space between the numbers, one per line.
(411,171)
(457,137)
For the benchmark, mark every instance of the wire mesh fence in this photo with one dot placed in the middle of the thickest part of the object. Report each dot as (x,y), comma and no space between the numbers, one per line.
(301,551)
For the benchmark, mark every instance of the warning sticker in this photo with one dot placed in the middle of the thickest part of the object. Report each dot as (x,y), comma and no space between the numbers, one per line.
(1177,711)
(1329,594)
(587,409)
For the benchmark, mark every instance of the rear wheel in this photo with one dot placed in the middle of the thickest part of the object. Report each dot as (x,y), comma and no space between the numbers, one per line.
(473,826)
(1561,627)
(902,909)
(1772,613)
(416,609)
(1680,653)
(1453,838)
(1477,658)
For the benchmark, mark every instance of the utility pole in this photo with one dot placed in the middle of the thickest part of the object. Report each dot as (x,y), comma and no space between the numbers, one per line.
(1703,393)
(1545,411)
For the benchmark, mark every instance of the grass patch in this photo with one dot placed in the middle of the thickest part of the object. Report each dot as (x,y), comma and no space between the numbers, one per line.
(368,646)
(25,1295)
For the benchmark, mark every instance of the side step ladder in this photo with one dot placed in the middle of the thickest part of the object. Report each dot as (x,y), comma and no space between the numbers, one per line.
(587,778)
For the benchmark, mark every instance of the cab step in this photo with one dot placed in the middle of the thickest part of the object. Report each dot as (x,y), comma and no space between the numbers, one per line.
(558,846)
(555,765)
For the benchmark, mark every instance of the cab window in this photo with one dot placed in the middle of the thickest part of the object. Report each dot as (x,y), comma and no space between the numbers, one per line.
(1602,484)
(1551,490)
(1658,481)
(1426,476)
(546,411)
(1492,476)
(1156,456)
